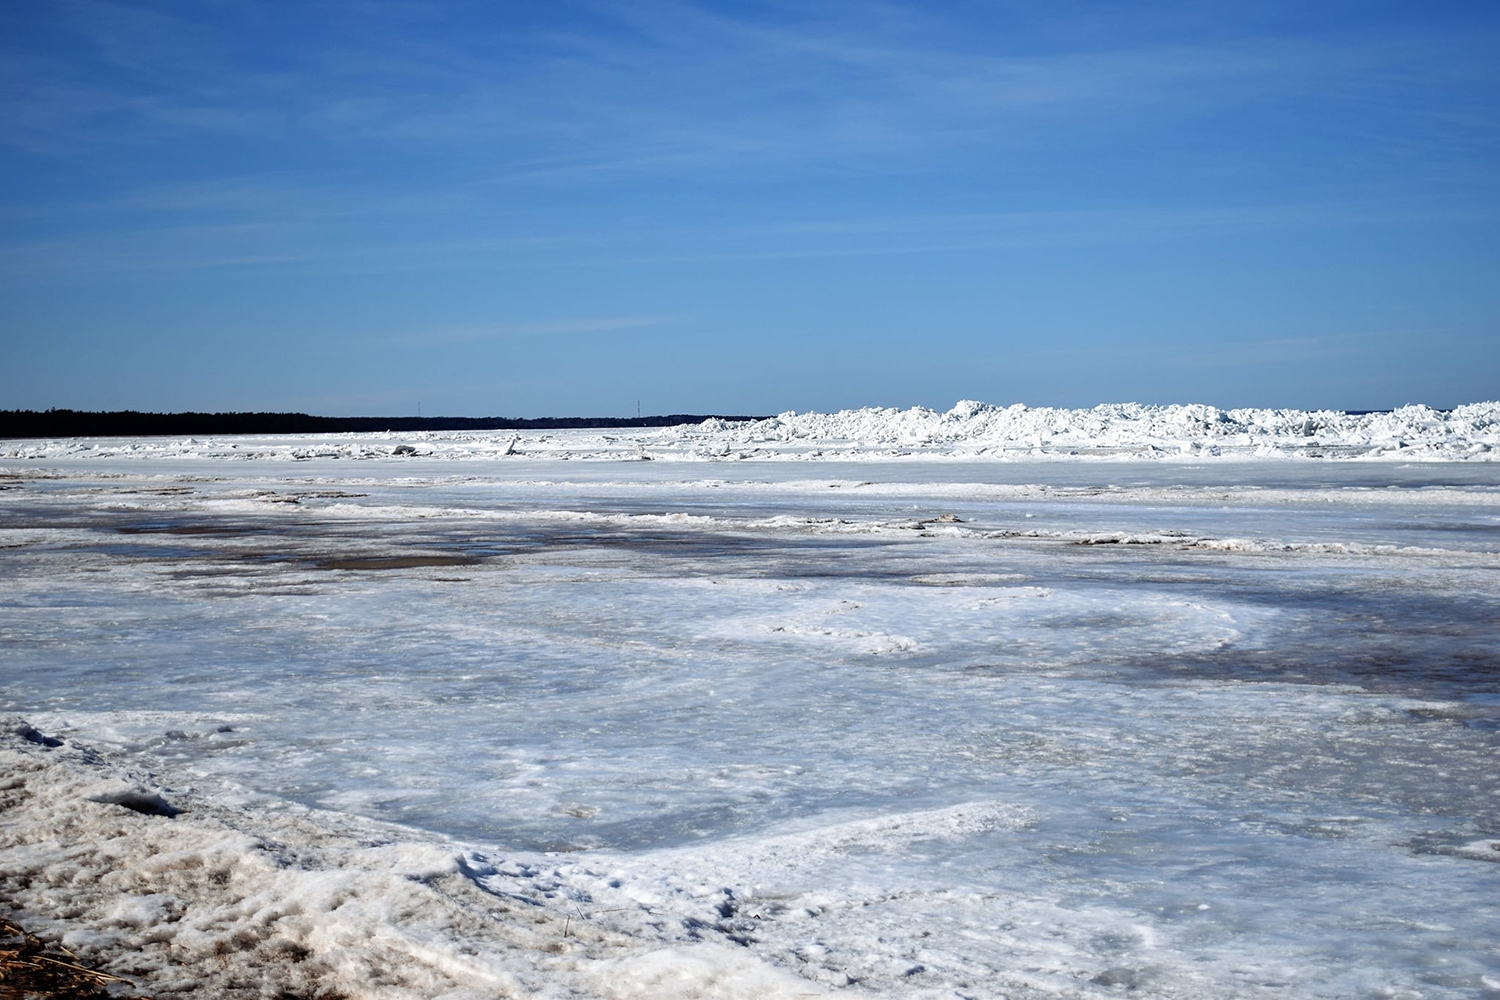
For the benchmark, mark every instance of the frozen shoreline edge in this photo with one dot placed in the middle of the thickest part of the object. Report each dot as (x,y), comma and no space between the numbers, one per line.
(222,902)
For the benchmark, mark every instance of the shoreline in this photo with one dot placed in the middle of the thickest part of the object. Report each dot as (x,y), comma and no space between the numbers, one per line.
(214,902)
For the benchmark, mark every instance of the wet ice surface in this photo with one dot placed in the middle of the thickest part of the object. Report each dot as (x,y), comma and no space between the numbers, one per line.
(1198,731)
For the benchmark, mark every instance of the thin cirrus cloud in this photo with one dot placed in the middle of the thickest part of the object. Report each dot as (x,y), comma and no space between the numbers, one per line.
(469,334)
(678,90)
(657,87)
(268,226)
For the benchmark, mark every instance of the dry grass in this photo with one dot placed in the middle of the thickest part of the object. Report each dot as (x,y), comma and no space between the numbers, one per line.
(29,968)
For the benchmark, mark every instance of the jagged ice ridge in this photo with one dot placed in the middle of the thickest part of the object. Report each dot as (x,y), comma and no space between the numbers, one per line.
(970,430)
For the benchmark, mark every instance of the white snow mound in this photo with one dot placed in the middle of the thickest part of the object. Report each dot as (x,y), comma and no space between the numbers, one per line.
(970,430)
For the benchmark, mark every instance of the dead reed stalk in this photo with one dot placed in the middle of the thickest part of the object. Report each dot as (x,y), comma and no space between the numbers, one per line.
(30,968)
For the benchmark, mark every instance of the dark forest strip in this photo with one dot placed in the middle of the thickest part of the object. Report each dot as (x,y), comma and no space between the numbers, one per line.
(132,423)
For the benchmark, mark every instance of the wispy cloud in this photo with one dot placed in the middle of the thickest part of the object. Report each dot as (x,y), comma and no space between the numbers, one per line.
(258,223)
(660,87)
(468,334)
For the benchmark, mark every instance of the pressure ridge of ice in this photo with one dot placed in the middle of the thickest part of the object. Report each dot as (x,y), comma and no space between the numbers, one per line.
(969,430)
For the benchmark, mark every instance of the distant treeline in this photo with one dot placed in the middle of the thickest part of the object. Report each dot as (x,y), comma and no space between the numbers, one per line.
(130,423)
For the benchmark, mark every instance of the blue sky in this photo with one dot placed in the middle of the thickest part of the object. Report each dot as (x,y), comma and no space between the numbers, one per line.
(561,208)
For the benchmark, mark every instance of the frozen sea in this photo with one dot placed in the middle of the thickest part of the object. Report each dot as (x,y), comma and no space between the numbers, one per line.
(890,725)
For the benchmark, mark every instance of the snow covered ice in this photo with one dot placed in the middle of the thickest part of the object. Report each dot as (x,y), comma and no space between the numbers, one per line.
(840,704)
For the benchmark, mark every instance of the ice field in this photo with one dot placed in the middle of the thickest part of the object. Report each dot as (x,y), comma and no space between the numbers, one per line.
(890,724)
